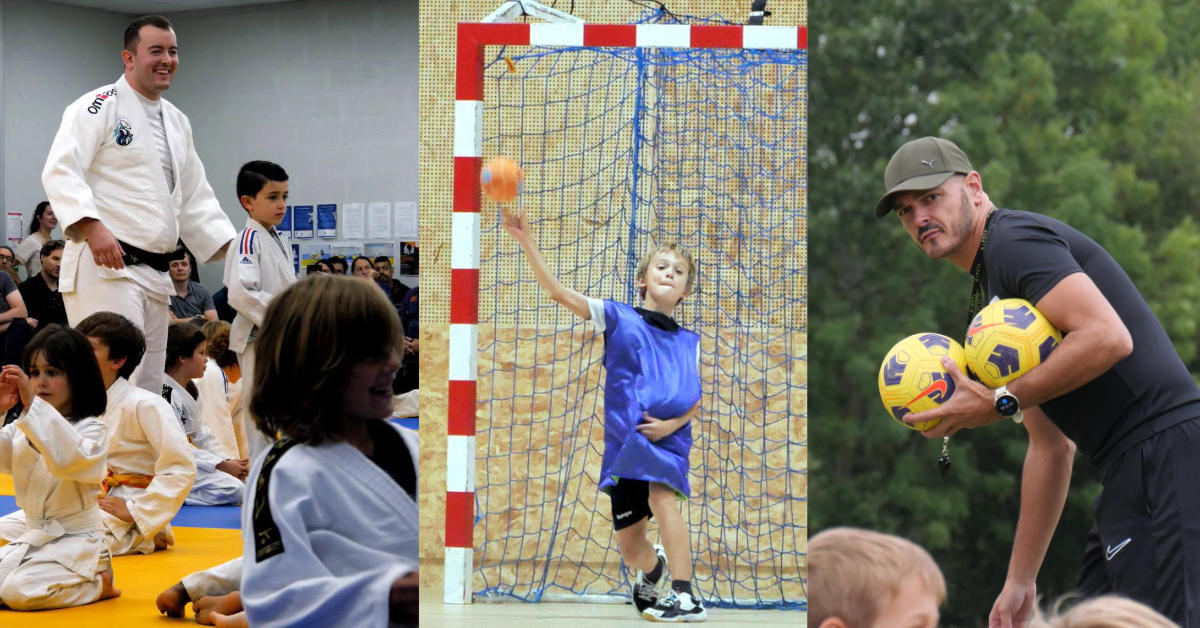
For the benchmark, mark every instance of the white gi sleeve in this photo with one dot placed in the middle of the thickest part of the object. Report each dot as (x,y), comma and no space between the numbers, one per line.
(203,225)
(75,452)
(243,277)
(7,434)
(75,146)
(174,469)
(596,307)
(273,593)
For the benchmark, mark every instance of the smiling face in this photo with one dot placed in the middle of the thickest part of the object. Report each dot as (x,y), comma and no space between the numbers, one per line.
(270,204)
(50,383)
(367,394)
(48,221)
(150,68)
(665,281)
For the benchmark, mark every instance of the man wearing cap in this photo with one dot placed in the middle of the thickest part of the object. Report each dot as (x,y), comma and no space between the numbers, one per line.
(1115,388)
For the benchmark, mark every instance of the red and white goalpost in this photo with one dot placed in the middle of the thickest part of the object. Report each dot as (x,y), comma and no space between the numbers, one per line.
(466,228)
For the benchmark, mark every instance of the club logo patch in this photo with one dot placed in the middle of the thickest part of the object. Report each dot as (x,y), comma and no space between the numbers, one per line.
(123,134)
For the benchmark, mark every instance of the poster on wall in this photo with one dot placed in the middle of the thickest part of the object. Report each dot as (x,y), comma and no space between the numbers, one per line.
(302,221)
(406,221)
(379,220)
(285,225)
(347,251)
(408,259)
(386,249)
(296,258)
(12,226)
(327,220)
(352,221)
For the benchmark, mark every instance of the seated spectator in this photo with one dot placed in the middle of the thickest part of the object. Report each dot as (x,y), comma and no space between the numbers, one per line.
(361,267)
(337,265)
(396,290)
(409,377)
(8,263)
(225,312)
(319,266)
(39,235)
(15,331)
(191,299)
(43,301)
(859,578)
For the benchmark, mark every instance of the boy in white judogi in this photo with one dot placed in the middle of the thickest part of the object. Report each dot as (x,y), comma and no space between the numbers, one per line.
(150,464)
(123,176)
(260,268)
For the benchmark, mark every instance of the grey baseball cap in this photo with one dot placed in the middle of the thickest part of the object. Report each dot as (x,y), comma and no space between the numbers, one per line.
(921,164)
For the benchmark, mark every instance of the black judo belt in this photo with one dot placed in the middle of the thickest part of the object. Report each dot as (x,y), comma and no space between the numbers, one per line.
(134,256)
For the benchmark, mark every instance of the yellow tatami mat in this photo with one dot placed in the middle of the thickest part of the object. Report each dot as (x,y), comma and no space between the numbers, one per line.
(140,578)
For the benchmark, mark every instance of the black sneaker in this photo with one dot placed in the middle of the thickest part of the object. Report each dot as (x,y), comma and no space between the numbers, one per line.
(644,593)
(675,607)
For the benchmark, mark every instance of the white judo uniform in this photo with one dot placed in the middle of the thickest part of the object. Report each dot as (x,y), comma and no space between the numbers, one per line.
(104,164)
(345,531)
(219,400)
(56,550)
(145,441)
(212,487)
(259,268)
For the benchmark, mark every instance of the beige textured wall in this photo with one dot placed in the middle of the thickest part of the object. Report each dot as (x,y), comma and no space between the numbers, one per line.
(437,23)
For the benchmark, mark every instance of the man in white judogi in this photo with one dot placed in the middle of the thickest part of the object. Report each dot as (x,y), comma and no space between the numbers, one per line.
(126,184)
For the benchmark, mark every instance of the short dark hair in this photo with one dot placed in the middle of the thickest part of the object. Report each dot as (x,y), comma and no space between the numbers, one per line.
(120,335)
(178,254)
(36,223)
(9,249)
(133,32)
(182,340)
(70,352)
(51,247)
(383,258)
(317,268)
(363,258)
(337,260)
(319,318)
(254,175)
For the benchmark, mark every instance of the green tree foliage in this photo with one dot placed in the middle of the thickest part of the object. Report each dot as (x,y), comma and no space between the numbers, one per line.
(1080,109)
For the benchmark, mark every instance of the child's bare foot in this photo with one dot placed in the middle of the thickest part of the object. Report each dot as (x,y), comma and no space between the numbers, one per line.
(210,605)
(108,590)
(161,541)
(173,601)
(230,621)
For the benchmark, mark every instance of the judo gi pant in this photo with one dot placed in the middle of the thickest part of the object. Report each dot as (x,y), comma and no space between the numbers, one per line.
(215,488)
(41,583)
(219,580)
(255,439)
(1145,542)
(149,312)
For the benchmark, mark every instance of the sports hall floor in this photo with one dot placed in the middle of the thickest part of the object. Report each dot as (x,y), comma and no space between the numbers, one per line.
(435,613)
(204,536)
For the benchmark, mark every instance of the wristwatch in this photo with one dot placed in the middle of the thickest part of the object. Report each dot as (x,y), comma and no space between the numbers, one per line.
(1007,404)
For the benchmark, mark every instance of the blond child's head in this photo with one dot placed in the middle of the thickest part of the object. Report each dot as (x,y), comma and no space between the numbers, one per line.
(1106,611)
(667,271)
(863,579)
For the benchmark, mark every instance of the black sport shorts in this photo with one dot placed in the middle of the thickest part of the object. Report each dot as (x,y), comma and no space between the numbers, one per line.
(1145,542)
(630,502)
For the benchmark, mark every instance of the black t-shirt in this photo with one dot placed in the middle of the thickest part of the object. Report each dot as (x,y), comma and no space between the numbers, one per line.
(41,302)
(393,456)
(1150,390)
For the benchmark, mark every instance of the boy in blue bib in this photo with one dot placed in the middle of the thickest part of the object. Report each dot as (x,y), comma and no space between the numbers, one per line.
(652,372)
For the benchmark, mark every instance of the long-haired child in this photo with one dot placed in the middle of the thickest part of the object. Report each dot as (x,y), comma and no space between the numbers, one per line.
(55,452)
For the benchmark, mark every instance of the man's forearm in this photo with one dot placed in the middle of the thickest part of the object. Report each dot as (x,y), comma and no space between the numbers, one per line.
(1045,478)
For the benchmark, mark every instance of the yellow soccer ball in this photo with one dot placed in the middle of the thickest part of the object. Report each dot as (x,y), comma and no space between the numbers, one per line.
(1006,339)
(912,378)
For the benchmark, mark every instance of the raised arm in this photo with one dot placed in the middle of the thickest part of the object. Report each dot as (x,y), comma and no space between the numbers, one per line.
(518,227)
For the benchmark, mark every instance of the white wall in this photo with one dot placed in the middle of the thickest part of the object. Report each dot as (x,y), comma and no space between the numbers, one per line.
(326,89)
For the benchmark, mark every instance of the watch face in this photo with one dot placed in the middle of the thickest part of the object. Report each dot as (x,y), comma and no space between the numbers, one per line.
(1006,405)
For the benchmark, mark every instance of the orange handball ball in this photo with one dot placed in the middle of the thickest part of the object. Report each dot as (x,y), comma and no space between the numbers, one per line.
(501,179)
